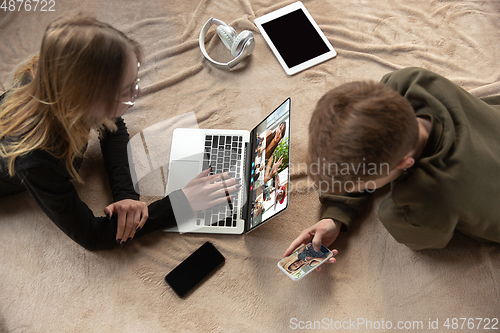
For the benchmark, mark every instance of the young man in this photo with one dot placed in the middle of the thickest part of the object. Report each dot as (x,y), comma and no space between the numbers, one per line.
(437,145)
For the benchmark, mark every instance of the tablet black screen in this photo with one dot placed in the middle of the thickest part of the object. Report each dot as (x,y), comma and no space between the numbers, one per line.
(295,38)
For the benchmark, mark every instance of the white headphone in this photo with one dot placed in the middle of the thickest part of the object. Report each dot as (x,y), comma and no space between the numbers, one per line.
(241,46)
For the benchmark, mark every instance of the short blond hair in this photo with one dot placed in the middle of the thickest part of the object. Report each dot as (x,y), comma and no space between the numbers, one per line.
(360,124)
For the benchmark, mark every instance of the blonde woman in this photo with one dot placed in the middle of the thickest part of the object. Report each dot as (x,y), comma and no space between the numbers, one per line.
(85,77)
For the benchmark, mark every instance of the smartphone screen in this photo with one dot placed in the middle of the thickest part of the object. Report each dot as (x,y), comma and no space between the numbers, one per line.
(303,261)
(194,269)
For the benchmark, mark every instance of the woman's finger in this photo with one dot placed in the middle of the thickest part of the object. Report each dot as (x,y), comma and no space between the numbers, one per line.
(120,228)
(127,234)
(222,196)
(136,223)
(200,178)
(109,210)
(218,177)
(144,217)
(223,189)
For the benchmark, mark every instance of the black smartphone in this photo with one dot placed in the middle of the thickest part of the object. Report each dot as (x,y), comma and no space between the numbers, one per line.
(194,269)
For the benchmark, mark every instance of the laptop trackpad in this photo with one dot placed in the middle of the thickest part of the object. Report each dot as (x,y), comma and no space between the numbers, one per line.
(183,172)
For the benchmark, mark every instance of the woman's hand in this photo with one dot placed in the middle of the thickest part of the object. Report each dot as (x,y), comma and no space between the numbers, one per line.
(131,216)
(324,232)
(205,190)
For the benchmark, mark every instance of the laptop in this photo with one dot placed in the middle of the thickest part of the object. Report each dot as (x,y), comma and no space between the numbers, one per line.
(248,155)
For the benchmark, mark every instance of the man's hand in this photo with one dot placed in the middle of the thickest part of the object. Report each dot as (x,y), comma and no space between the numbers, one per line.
(324,232)
(131,216)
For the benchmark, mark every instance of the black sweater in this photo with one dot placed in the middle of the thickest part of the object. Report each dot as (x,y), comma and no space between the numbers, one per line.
(47,180)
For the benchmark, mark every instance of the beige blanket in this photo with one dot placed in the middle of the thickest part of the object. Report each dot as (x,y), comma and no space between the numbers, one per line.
(50,284)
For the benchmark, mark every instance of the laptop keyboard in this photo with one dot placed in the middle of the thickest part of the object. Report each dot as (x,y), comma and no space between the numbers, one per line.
(223,154)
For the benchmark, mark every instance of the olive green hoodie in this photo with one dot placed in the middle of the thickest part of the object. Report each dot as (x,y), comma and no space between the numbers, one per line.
(455,184)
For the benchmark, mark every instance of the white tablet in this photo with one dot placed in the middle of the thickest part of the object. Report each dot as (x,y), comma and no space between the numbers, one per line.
(295,38)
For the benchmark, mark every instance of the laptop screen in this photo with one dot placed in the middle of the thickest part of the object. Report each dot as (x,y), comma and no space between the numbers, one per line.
(269,182)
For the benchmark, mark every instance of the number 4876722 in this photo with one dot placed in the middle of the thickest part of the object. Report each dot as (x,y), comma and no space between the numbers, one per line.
(28,5)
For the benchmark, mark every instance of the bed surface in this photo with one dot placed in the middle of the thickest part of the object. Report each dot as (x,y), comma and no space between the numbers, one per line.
(50,284)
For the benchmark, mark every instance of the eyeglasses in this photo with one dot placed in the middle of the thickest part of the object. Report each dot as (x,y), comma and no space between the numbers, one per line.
(135,89)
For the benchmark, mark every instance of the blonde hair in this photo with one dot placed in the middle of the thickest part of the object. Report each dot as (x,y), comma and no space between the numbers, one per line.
(81,63)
